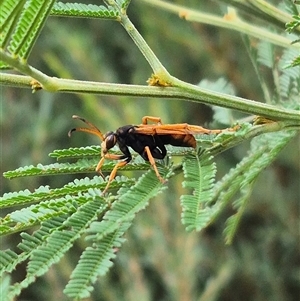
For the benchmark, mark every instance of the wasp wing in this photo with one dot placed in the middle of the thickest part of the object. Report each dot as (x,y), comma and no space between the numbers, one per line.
(173,129)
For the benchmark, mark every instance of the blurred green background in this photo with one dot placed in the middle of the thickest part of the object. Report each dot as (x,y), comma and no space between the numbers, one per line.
(159,260)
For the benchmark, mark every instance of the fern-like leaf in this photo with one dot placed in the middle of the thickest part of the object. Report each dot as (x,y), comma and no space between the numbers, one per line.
(63,234)
(266,54)
(125,4)
(76,152)
(7,258)
(28,245)
(240,205)
(291,26)
(83,165)
(289,80)
(94,261)
(129,203)
(31,242)
(264,149)
(28,216)
(84,11)
(29,25)
(44,192)
(199,172)
(9,13)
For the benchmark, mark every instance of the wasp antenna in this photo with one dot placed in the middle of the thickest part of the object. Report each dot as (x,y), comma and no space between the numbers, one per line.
(71,131)
(92,128)
(78,117)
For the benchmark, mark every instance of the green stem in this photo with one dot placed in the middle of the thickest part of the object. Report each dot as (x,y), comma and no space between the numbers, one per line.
(271,10)
(253,132)
(181,91)
(149,55)
(47,82)
(230,21)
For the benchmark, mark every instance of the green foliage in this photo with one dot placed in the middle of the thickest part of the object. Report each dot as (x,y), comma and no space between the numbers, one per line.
(65,219)
(55,237)
(199,176)
(94,261)
(264,150)
(84,10)
(50,221)
(292,27)
(22,23)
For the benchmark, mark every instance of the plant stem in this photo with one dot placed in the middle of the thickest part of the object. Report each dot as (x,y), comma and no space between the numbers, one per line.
(149,55)
(271,10)
(47,82)
(182,90)
(253,132)
(230,21)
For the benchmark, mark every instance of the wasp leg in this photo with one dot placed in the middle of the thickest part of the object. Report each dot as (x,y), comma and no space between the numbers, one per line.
(107,156)
(98,167)
(145,119)
(113,174)
(153,164)
(114,171)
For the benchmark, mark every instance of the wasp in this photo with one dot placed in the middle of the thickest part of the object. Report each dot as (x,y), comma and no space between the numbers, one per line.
(146,139)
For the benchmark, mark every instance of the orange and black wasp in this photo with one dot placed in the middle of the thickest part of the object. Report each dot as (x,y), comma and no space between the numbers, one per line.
(148,140)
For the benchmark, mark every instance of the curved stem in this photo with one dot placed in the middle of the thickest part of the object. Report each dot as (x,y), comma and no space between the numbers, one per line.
(47,82)
(182,90)
(253,132)
(147,52)
(271,10)
(229,21)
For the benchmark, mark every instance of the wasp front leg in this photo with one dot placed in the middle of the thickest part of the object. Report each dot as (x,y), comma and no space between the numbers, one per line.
(114,171)
(110,157)
(113,174)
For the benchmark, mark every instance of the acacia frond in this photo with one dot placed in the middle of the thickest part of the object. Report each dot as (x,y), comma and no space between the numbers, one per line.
(129,203)
(107,234)
(266,54)
(95,261)
(45,192)
(125,4)
(199,173)
(7,258)
(84,10)
(62,232)
(240,205)
(289,80)
(76,152)
(22,22)
(26,217)
(264,149)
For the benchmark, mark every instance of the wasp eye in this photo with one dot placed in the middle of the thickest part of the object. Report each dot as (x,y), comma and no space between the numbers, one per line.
(109,142)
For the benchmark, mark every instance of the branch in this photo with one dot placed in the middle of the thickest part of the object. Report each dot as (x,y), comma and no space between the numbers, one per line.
(229,21)
(183,91)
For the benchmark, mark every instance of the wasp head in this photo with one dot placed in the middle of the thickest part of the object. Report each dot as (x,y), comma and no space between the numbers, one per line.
(110,140)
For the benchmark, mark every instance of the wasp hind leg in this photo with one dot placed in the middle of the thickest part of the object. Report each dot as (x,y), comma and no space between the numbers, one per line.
(153,164)
(145,119)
